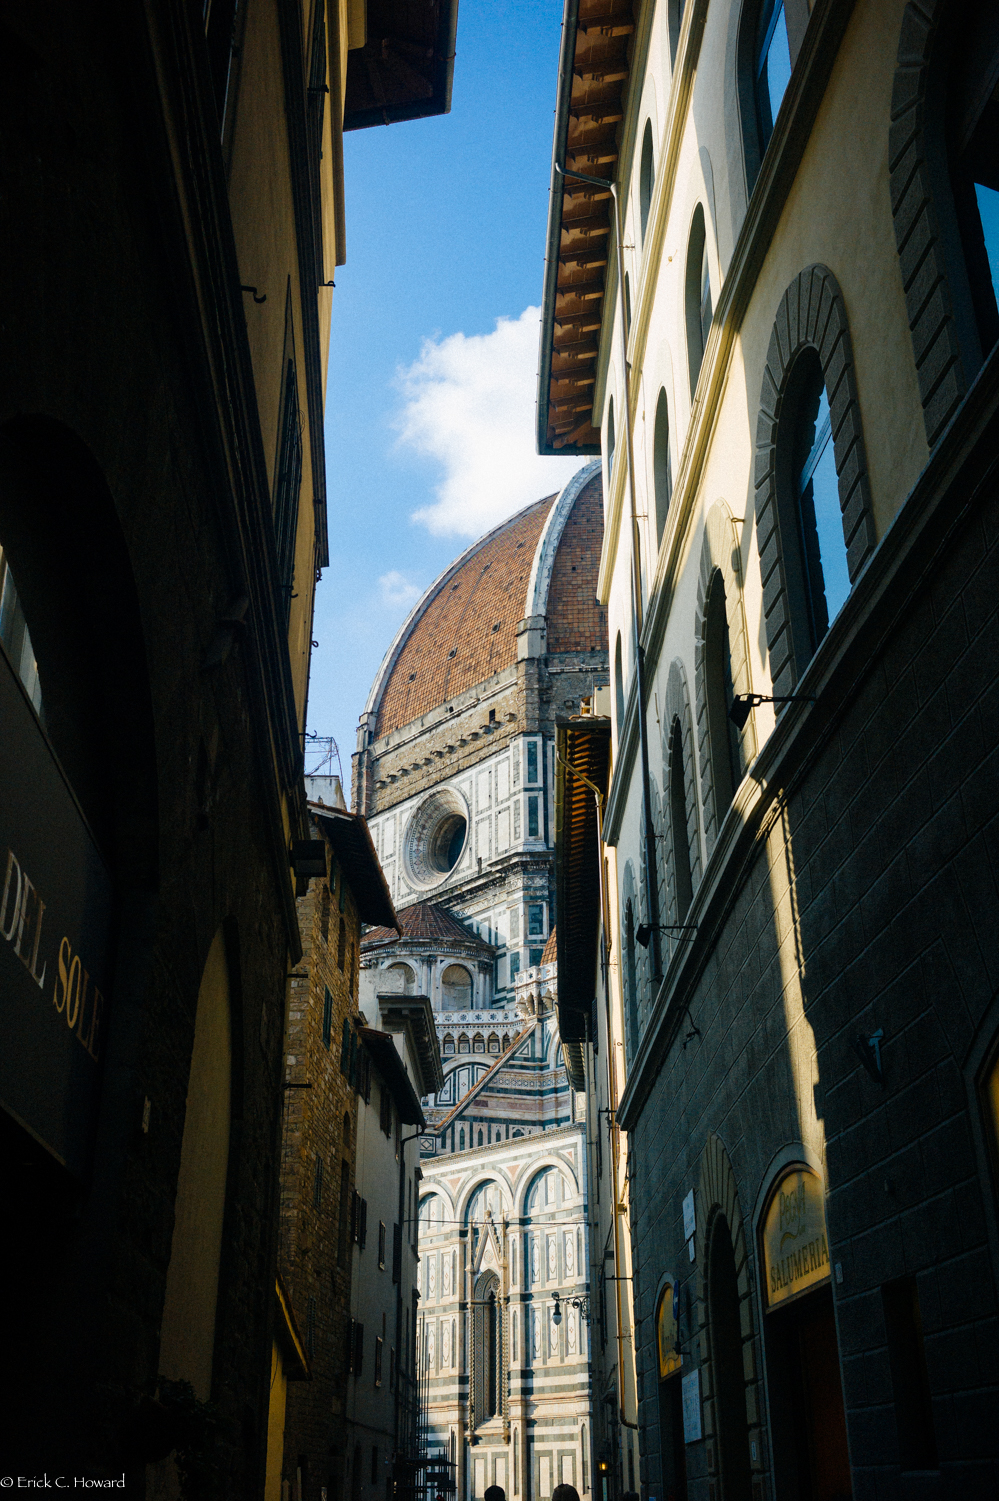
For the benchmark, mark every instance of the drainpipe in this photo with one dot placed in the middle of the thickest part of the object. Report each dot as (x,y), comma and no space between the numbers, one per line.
(651,863)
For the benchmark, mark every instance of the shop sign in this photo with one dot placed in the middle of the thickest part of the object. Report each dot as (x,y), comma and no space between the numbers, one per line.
(795,1245)
(55,917)
(668,1332)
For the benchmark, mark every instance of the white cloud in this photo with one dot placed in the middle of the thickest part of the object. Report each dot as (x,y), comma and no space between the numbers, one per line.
(469,406)
(397,589)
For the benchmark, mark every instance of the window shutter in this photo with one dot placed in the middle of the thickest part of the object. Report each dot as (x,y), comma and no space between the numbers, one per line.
(358,1347)
(396,1253)
(362,1235)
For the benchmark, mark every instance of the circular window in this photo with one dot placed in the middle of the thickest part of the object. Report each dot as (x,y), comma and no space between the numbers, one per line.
(436,837)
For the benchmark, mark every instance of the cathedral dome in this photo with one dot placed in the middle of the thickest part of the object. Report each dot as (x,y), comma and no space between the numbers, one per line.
(464,629)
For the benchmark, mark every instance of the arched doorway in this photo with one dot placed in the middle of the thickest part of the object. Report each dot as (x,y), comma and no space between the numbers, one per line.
(727,1369)
(808,1423)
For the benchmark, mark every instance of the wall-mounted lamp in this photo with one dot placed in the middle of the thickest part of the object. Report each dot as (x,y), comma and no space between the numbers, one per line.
(644,930)
(868,1050)
(743,704)
(583,1304)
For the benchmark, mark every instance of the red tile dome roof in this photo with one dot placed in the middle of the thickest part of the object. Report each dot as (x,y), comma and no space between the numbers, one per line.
(464,629)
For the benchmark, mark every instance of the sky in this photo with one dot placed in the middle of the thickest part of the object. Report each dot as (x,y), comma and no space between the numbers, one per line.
(434,343)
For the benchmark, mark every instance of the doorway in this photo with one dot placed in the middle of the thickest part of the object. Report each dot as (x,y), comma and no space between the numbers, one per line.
(672,1448)
(808,1423)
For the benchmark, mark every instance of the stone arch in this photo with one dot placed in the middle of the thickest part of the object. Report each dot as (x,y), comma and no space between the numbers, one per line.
(717,1201)
(457,987)
(812,315)
(497,1179)
(676,701)
(720,553)
(942,365)
(540,1167)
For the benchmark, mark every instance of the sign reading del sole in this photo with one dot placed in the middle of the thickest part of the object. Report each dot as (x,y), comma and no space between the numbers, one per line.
(55,915)
(795,1245)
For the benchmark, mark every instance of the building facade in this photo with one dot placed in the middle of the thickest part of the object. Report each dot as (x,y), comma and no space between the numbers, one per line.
(324,1153)
(455,770)
(172,220)
(773,238)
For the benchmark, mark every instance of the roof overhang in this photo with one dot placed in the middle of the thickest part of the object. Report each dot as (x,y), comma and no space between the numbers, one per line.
(594,67)
(287,1337)
(583,746)
(414,1015)
(351,842)
(385,1056)
(405,69)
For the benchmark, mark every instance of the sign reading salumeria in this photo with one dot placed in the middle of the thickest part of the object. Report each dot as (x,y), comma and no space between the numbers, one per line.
(55,916)
(795,1246)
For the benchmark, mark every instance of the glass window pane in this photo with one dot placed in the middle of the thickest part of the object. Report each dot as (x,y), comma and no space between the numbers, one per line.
(988,211)
(829,526)
(778,65)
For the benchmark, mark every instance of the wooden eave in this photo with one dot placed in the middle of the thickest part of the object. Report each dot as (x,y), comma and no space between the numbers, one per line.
(583,745)
(593,75)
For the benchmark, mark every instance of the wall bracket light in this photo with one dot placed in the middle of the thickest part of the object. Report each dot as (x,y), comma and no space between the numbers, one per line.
(583,1304)
(743,704)
(868,1050)
(644,930)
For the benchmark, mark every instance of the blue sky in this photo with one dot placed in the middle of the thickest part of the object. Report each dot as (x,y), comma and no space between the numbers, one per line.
(430,398)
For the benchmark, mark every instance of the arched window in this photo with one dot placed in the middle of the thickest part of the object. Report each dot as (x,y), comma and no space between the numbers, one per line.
(478,1043)
(610,440)
(494,1042)
(814,548)
(619,684)
(480,1138)
(973,148)
(943,146)
(678,822)
(448,1046)
(463,1046)
(461,1139)
(487,1344)
(726,752)
(675,21)
(697,296)
(662,465)
(630,977)
(646,178)
(727,1368)
(456,988)
(403,977)
(771,67)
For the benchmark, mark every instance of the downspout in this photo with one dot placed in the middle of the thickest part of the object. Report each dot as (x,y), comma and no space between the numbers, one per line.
(398,1297)
(611,1088)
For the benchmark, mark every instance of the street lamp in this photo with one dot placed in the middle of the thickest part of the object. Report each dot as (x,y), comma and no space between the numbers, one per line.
(583,1304)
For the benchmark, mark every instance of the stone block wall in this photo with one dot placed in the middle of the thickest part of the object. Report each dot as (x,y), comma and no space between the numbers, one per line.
(870,902)
(318,1099)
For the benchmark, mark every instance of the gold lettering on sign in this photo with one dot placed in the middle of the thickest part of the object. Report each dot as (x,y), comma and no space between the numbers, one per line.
(62,964)
(69,996)
(21,915)
(12,866)
(18,920)
(795,1246)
